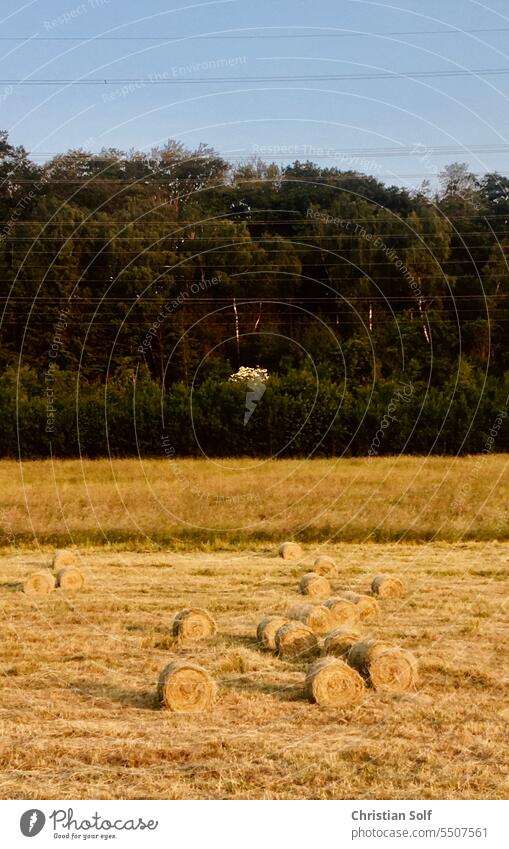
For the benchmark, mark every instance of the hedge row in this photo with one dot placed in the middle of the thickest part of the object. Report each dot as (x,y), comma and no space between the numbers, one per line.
(293,417)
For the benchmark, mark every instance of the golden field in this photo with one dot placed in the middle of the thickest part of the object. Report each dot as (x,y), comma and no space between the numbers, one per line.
(79,716)
(231,503)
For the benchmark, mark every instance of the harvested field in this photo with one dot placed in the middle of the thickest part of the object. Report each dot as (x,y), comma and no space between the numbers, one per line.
(80,715)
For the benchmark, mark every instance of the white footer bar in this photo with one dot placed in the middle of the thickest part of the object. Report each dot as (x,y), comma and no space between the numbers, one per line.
(251,825)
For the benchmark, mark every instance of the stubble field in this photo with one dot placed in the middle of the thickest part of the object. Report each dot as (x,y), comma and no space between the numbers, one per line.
(78,711)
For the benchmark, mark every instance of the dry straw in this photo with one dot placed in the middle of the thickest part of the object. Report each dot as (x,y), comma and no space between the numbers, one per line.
(388,587)
(70,579)
(315,585)
(290,551)
(386,667)
(194,623)
(343,611)
(39,582)
(62,558)
(367,606)
(324,565)
(339,641)
(266,631)
(295,640)
(185,687)
(315,616)
(332,683)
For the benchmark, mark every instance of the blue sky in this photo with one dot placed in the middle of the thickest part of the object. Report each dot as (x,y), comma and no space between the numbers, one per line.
(282,120)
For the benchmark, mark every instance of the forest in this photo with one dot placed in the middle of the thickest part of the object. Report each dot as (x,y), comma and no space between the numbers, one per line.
(134,284)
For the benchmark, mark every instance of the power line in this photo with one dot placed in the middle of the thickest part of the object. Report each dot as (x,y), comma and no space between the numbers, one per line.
(147,81)
(143,182)
(337,252)
(181,225)
(271,321)
(205,237)
(254,300)
(271,245)
(418,149)
(242,35)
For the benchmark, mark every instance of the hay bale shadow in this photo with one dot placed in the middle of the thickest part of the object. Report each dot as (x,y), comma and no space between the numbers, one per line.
(12,586)
(238,640)
(138,699)
(282,692)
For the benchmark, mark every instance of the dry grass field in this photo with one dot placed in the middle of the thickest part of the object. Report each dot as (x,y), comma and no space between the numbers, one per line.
(79,716)
(232,503)
(79,670)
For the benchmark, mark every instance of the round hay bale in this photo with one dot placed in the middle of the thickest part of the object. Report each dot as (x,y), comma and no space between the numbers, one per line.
(315,616)
(339,641)
(313,584)
(295,640)
(194,623)
(39,582)
(266,631)
(367,606)
(290,551)
(388,668)
(388,587)
(63,557)
(332,683)
(395,670)
(185,687)
(349,595)
(344,612)
(70,579)
(364,652)
(324,565)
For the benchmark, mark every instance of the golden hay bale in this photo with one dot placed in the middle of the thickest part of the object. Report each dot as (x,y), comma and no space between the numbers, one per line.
(367,606)
(364,652)
(388,587)
(39,582)
(63,557)
(313,584)
(70,579)
(266,631)
(194,623)
(386,667)
(315,616)
(339,641)
(344,612)
(296,640)
(324,565)
(185,687)
(350,596)
(332,683)
(290,551)
(395,670)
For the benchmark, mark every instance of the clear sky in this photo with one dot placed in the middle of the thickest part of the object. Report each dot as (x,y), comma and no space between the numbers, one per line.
(282,119)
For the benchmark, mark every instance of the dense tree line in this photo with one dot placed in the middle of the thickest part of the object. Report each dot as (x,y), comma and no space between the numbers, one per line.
(134,284)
